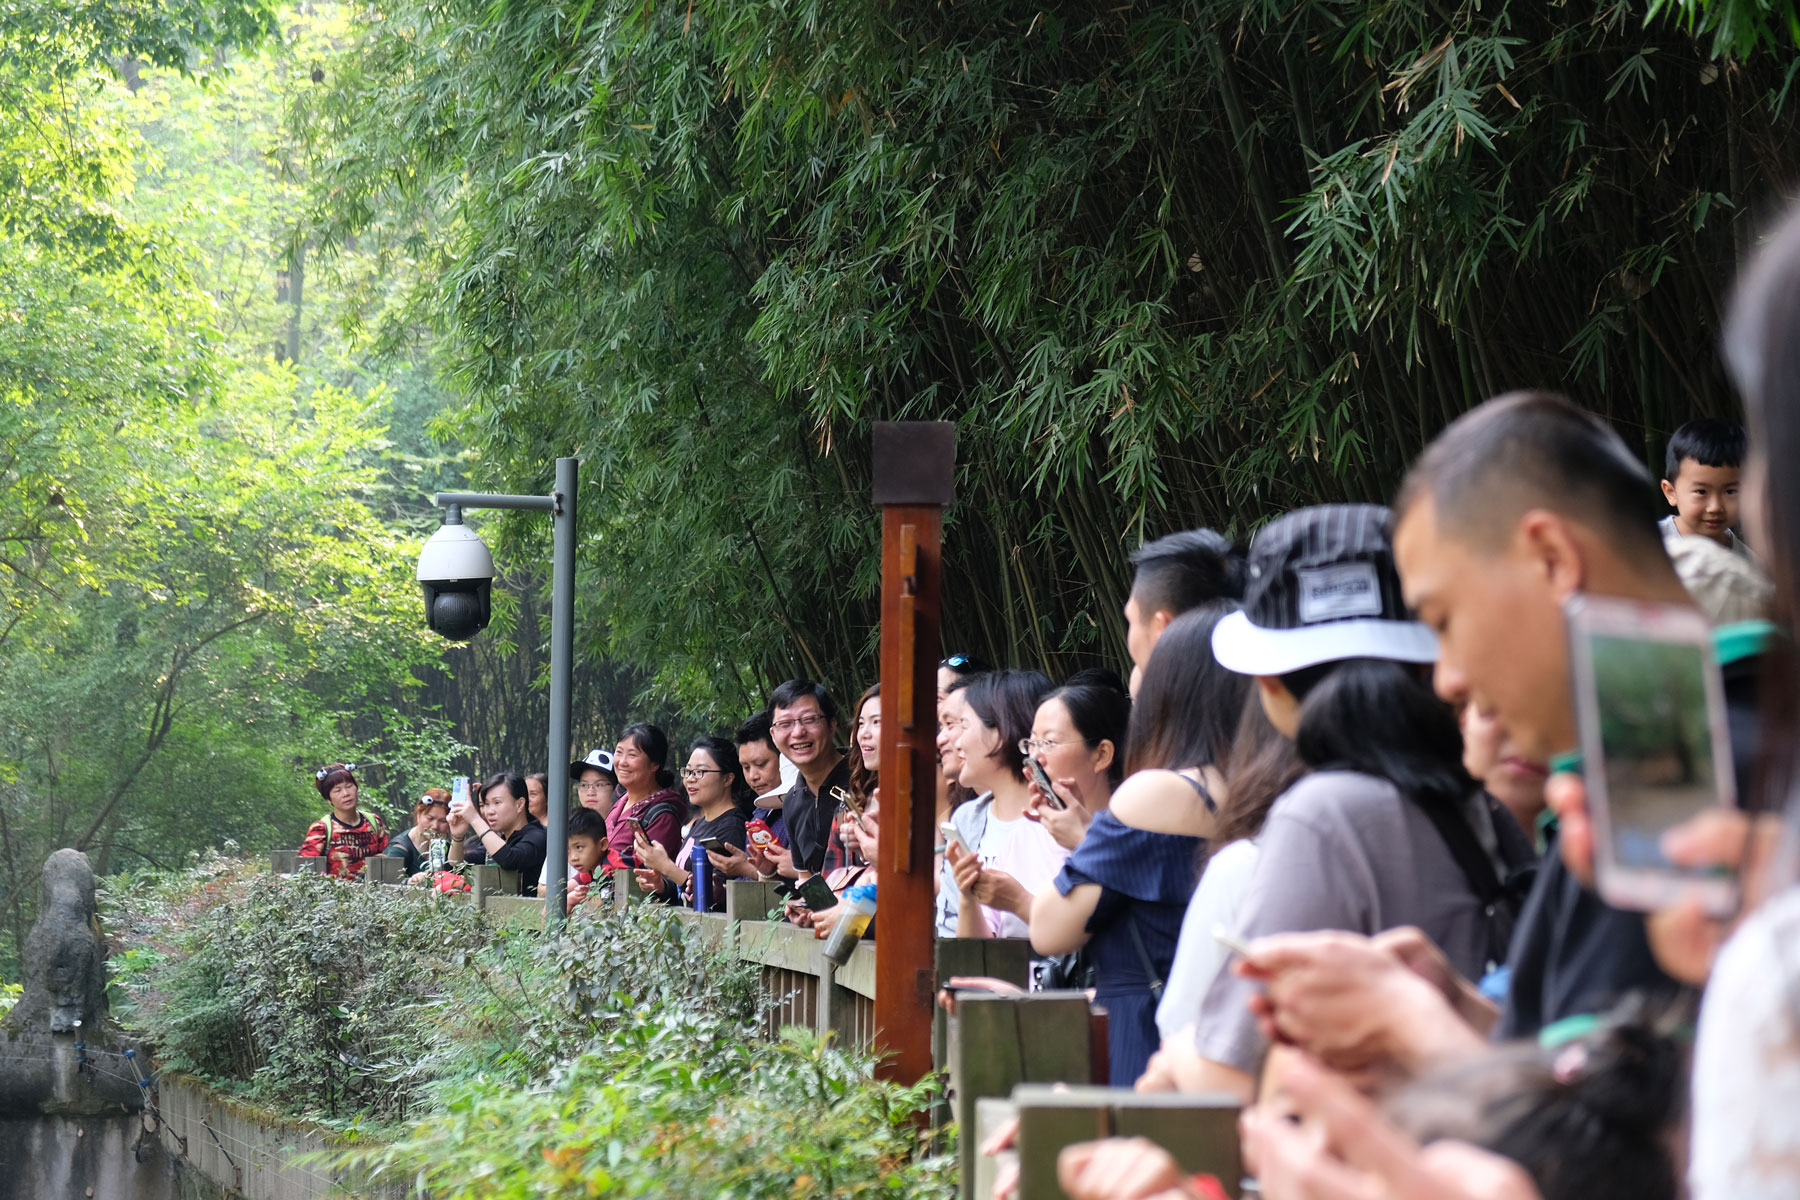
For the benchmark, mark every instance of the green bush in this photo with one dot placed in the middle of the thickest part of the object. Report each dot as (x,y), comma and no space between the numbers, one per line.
(676,1103)
(340,1001)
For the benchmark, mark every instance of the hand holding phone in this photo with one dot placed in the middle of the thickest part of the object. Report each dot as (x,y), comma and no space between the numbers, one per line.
(953,837)
(1655,747)
(816,894)
(1035,770)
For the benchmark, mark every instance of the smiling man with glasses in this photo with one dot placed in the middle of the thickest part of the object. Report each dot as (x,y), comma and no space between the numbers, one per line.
(805,728)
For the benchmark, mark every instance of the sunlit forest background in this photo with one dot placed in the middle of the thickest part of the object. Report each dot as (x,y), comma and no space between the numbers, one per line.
(272,273)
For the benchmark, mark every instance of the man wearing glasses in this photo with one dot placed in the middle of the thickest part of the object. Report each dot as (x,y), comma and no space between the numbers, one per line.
(805,729)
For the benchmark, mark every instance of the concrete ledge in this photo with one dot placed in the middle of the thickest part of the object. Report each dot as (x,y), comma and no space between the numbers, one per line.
(250,1153)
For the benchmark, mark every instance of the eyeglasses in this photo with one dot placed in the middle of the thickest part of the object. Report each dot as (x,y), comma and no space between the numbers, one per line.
(1032,747)
(691,773)
(591,785)
(810,721)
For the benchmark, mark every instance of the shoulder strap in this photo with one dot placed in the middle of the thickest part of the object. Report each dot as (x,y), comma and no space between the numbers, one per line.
(1137,939)
(1491,893)
(1205,796)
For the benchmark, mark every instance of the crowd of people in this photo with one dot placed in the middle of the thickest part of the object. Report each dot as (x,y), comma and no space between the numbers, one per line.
(1328,851)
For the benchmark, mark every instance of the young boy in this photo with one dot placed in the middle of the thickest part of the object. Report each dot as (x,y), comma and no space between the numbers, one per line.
(587,847)
(1700,482)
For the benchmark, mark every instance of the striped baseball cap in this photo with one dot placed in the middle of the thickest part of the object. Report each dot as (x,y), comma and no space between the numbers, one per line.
(1322,587)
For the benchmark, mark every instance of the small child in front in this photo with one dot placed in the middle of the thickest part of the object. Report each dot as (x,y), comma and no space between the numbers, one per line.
(1700,482)
(587,847)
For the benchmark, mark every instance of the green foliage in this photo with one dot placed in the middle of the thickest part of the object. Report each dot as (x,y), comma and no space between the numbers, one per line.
(677,1104)
(342,1001)
(1163,265)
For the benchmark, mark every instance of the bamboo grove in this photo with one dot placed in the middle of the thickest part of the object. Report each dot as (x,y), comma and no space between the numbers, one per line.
(1165,264)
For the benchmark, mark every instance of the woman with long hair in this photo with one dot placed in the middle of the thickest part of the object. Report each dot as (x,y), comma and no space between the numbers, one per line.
(715,786)
(650,801)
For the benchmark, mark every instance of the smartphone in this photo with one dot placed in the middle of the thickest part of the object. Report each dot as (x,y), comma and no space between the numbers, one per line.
(1655,746)
(1042,779)
(1231,942)
(717,846)
(459,793)
(953,834)
(816,894)
(850,801)
(761,836)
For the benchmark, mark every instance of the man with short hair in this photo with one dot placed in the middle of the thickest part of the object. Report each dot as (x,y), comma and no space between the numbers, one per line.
(758,756)
(1174,574)
(761,762)
(803,719)
(1516,507)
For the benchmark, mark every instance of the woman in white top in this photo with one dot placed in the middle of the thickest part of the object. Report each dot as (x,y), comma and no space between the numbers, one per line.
(1013,856)
(1745,1142)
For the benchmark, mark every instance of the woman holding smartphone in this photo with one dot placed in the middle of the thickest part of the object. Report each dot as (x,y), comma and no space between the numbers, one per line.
(1075,757)
(715,784)
(500,829)
(650,802)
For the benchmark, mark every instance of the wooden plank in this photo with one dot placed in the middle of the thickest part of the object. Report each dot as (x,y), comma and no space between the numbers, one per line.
(382,869)
(313,865)
(750,899)
(911,570)
(985,1060)
(1050,1119)
(858,974)
(1201,1131)
(1007,958)
(991,1112)
(282,861)
(785,946)
(1053,1038)
(625,889)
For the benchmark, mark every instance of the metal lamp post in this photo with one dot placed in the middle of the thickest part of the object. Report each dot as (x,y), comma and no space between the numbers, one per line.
(560,504)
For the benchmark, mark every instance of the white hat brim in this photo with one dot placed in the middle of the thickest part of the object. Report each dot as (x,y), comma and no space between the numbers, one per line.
(1251,649)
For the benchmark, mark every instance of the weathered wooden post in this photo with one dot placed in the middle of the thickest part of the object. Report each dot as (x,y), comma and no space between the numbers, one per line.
(915,480)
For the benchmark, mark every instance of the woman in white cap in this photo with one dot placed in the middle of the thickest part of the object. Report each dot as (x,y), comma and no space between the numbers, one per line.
(1387,828)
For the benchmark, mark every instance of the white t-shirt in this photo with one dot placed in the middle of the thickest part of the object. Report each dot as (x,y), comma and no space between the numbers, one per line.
(1746,1143)
(1198,955)
(1025,850)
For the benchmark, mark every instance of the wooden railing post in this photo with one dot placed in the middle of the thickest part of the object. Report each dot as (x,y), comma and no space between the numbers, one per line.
(915,480)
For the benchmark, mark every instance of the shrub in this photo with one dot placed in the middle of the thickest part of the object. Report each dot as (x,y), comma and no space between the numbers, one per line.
(675,1103)
(336,1000)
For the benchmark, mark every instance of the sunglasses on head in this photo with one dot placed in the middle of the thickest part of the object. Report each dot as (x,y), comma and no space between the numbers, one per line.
(955,662)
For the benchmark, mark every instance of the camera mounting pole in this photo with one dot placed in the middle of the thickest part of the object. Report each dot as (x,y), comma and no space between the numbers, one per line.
(560,504)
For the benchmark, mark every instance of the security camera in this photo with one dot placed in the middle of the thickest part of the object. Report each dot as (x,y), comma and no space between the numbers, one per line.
(457,573)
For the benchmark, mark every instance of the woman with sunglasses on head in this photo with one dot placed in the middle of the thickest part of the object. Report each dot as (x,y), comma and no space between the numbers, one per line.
(431,822)
(715,784)
(344,836)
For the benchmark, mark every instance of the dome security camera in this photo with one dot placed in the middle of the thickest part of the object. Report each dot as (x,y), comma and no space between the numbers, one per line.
(456,572)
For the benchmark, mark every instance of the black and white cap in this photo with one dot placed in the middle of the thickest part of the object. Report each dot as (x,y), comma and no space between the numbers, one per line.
(1322,587)
(601,759)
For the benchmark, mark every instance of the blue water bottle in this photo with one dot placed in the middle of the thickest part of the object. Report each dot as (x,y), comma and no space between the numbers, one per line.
(702,869)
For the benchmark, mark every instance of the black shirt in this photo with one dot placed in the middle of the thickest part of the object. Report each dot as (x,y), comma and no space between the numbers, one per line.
(1573,953)
(810,819)
(728,827)
(413,857)
(524,852)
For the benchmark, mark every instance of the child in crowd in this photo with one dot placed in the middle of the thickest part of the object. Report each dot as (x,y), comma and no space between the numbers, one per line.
(1700,481)
(587,849)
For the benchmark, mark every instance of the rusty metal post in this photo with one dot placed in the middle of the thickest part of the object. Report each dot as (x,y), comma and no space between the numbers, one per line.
(915,475)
